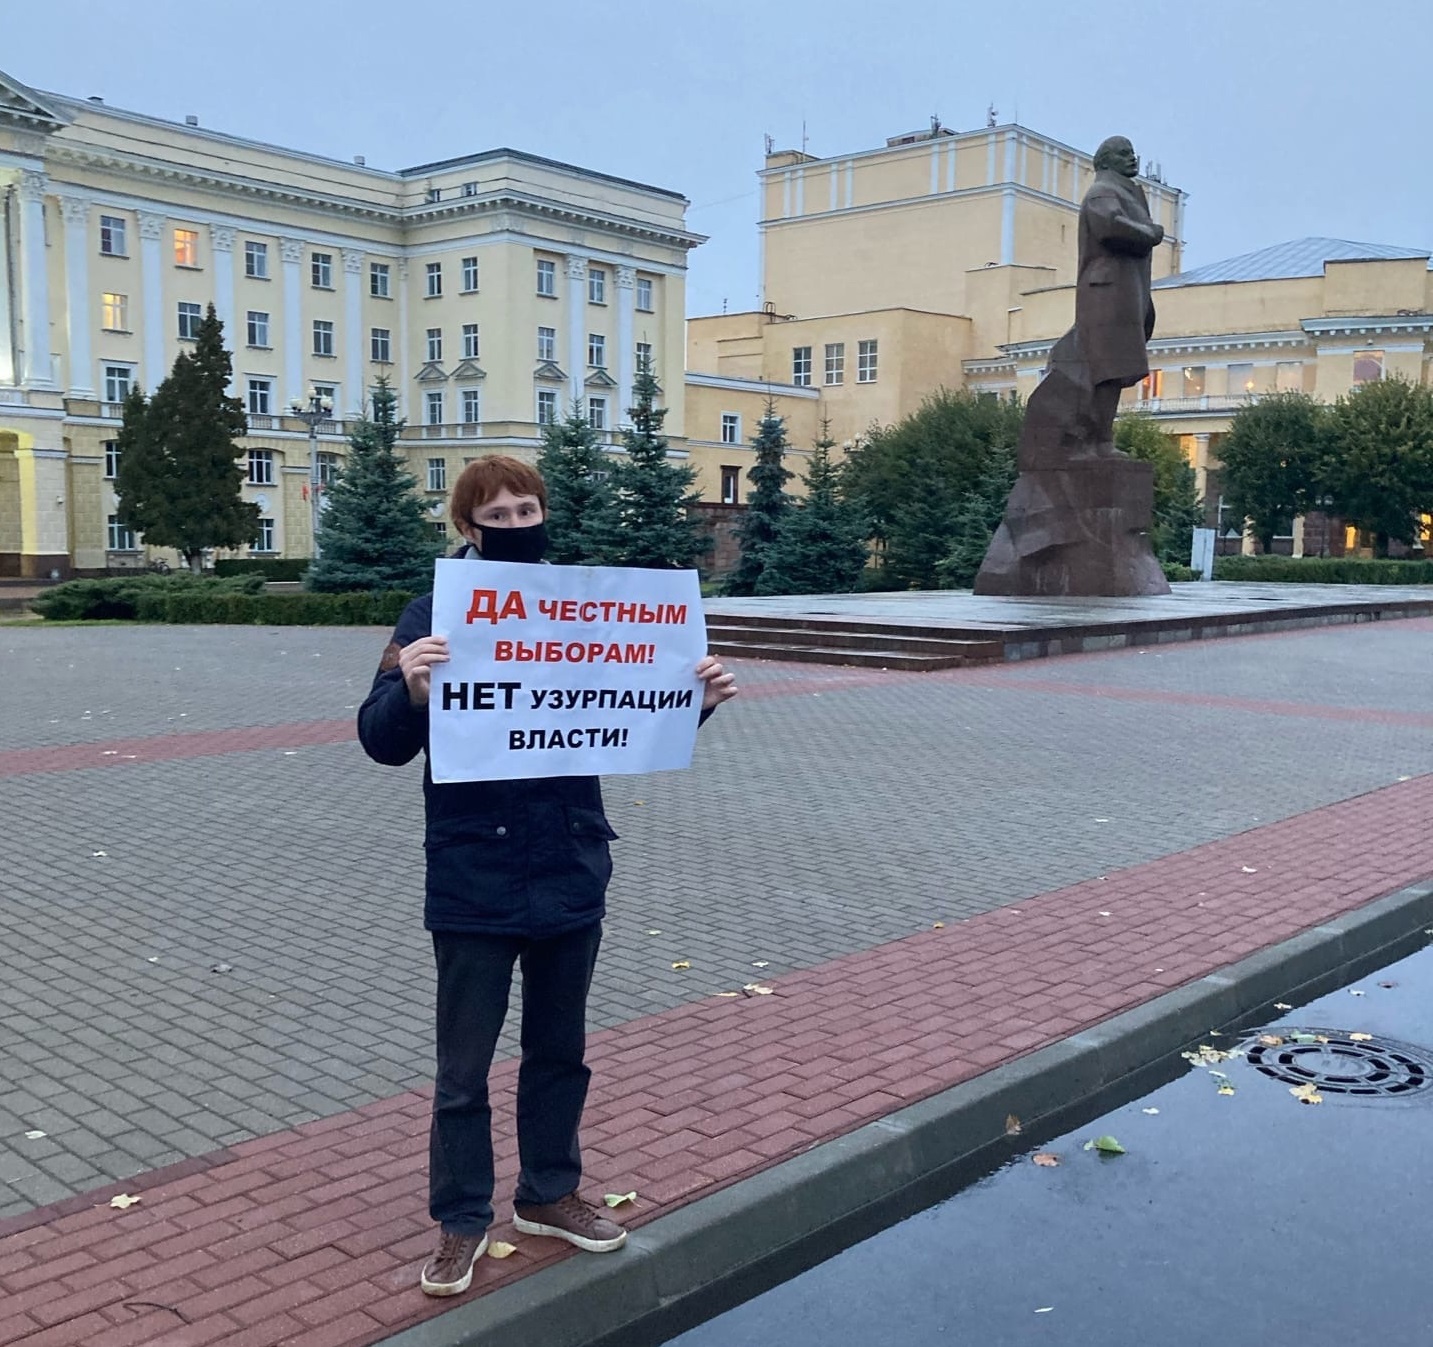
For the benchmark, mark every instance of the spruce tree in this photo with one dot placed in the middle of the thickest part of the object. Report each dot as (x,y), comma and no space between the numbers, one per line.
(821,547)
(574,466)
(375,532)
(648,520)
(977,518)
(182,486)
(768,506)
(1177,511)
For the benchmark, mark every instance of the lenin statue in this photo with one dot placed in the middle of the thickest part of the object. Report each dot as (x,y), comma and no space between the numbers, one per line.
(1078,518)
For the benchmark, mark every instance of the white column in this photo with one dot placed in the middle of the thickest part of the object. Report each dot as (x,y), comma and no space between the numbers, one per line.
(221,244)
(7,306)
(78,313)
(292,253)
(576,323)
(626,349)
(151,276)
(400,383)
(352,331)
(37,372)
(1007,227)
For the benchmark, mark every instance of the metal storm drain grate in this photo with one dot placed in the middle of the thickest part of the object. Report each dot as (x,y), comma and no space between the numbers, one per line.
(1336,1061)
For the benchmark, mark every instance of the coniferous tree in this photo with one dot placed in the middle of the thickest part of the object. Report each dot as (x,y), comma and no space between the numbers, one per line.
(821,547)
(1176,496)
(648,520)
(182,486)
(574,466)
(978,516)
(375,532)
(768,506)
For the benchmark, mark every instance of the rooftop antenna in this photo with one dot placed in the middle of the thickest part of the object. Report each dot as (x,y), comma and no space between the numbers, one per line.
(992,115)
(934,124)
(770,142)
(803,135)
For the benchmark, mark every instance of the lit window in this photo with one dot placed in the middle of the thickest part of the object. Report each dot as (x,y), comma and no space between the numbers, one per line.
(114,312)
(547,343)
(644,357)
(470,275)
(378,280)
(121,539)
(596,350)
(836,362)
(379,346)
(322,337)
(111,460)
(435,279)
(801,366)
(1289,376)
(470,341)
(117,381)
(472,410)
(433,409)
(546,277)
(258,325)
(186,247)
(866,362)
(321,271)
(1193,386)
(546,407)
(1152,385)
(597,413)
(261,403)
(256,261)
(261,462)
(1241,379)
(644,293)
(730,485)
(596,285)
(112,236)
(264,538)
(730,428)
(1367,367)
(437,474)
(190,316)
(435,343)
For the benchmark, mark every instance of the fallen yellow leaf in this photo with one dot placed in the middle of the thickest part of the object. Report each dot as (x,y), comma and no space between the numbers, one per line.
(730,994)
(1360,1038)
(682,963)
(498,1249)
(938,926)
(1226,1088)
(1012,1125)
(123,1202)
(1046,1159)
(1282,1005)
(618,1199)
(1270,1040)
(1306,1094)
(756,989)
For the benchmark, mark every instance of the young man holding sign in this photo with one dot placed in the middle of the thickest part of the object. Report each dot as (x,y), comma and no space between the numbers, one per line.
(517,866)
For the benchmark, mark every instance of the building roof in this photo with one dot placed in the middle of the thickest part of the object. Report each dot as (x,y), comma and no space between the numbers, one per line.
(1286,261)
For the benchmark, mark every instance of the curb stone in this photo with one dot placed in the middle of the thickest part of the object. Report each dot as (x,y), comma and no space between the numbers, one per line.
(720,1250)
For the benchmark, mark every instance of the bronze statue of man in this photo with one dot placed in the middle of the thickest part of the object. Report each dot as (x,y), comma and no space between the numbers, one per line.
(1114,314)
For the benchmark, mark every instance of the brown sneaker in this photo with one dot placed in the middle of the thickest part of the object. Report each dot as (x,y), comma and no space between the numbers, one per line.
(572,1219)
(449,1272)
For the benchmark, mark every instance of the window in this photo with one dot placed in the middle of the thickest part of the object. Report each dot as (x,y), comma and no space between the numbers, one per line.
(379,346)
(470,341)
(261,403)
(437,474)
(256,261)
(470,189)
(329,391)
(546,407)
(121,539)
(328,469)
(117,382)
(472,410)
(546,277)
(258,325)
(470,275)
(186,247)
(1241,379)
(264,538)
(189,318)
(597,413)
(433,409)
(1152,385)
(435,280)
(1367,367)
(866,362)
(644,356)
(322,337)
(730,485)
(378,280)
(114,312)
(801,366)
(547,343)
(321,271)
(730,428)
(435,194)
(836,362)
(435,343)
(111,460)
(112,236)
(1193,381)
(596,350)
(261,464)
(596,285)
(1289,376)
(644,293)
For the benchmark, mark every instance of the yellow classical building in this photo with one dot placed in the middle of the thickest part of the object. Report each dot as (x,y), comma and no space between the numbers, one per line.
(493,291)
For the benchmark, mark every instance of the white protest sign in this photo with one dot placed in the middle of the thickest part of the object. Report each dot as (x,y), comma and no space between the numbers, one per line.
(563,671)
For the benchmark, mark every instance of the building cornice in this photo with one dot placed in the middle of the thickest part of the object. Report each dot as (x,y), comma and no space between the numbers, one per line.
(735,385)
(1402,324)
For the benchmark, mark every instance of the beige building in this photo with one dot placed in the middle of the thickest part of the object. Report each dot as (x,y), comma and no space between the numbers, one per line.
(493,291)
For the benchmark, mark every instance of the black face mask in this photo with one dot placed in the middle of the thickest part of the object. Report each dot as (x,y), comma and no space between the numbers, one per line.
(521,544)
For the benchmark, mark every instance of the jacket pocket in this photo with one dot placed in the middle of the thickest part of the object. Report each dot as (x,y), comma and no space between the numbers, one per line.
(476,870)
(584,855)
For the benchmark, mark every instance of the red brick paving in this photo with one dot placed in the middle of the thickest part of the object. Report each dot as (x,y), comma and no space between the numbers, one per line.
(313,1236)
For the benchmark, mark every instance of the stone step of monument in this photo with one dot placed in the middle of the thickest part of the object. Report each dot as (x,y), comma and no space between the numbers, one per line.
(876,648)
(899,660)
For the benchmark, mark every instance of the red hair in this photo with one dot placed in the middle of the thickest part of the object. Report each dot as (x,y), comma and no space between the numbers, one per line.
(484,477)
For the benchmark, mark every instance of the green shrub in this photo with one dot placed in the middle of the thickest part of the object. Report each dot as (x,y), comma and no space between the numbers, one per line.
(121,596)
(1325,570)
(1174,572)
(271,568)
(275,610)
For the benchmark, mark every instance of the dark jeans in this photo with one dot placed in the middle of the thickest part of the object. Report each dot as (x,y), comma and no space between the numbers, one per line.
(474,976)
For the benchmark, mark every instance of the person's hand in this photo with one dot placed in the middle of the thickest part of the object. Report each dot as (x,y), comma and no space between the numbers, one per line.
(416,660)
(718,685)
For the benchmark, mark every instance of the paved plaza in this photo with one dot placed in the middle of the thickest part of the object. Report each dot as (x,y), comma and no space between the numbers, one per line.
(212,911)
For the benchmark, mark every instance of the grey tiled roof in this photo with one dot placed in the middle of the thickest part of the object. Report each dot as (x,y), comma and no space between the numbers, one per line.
(1284,261)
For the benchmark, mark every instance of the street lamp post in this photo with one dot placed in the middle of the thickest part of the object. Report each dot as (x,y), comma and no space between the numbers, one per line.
(318,409)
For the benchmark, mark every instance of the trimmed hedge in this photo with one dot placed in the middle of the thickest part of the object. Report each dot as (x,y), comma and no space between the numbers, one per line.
(275,610)
(271,568)
(1324,570)
(121,596)
(1174,572)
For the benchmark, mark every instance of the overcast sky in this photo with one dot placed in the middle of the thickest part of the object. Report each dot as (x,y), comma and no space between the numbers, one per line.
(1280,118)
